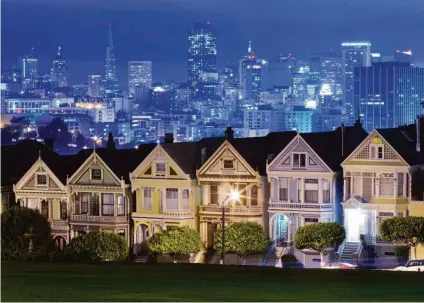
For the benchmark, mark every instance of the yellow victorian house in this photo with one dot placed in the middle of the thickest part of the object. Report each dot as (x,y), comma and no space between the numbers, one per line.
(377,185)
(166,192)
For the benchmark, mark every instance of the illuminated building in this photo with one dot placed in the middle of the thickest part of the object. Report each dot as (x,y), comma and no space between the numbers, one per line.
(29,71)
(403,56)
(202,53)
(94,82)
(278,72)
(299,88)
(251,71)
(388,94)
(111,86)
(354,54)
(139,74)
(59,71)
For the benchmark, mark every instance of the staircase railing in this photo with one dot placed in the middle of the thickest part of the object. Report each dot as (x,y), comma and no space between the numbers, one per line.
(340,249)
(265,259)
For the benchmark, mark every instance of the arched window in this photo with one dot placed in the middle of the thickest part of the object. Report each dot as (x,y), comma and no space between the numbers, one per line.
(63,210)
(254,196)
(45,208)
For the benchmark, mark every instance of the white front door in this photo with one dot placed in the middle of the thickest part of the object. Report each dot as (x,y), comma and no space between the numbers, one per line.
(352,224)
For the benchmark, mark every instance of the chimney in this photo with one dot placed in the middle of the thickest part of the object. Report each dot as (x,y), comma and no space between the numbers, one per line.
(229,133)
(49,144)
(169,138)
(203,156)
(418,127)
(342,128)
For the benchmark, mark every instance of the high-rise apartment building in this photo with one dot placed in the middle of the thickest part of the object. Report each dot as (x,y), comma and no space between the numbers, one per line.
(388,94)
(251,75)
(29,70)
(139,74)
(354,54)
(111,85)
(94,83)
(59,71)
(202,53)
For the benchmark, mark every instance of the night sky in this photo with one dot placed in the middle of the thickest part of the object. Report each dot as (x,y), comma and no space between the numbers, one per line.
(156,30)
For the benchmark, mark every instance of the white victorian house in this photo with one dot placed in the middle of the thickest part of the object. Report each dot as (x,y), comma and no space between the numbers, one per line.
(306,185)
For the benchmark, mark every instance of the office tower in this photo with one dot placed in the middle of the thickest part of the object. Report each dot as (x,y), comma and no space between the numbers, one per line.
(403,56)
(376,57)
(354,54)
(29,71)
(251,72)
(111,85)
(59,71)
(94,82)
(388,94)
(202,53)
(139,74)
(230,73)
(299,88)
(279,72)
(331,74)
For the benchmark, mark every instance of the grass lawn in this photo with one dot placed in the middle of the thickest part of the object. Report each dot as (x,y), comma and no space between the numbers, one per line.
(196,282)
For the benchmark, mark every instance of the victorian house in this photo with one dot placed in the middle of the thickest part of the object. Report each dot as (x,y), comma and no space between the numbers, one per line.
(381,176)
(306,184)
(227,165)
(166,192)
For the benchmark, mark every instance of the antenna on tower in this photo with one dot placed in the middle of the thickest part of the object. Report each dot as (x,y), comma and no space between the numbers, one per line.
(110,38)
(58,50)
(249,49)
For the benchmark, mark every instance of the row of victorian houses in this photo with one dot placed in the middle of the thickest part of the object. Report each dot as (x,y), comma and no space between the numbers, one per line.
(286,180)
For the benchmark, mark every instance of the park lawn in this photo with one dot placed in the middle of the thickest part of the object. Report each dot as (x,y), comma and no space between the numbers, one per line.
(197,282)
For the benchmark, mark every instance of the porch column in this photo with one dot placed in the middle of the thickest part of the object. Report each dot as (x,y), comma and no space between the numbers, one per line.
(100,203)
(206,194)
(395,181)
(301,191)
(180,198)
(320,191)
(289,228)
(344,188)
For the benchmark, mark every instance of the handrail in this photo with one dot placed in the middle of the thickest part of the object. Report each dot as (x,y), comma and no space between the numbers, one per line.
(341,247)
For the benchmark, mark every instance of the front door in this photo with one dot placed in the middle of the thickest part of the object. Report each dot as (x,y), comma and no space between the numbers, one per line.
(212,227)
(352,219)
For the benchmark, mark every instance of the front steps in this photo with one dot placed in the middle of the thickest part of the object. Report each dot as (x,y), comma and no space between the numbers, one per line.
(349,253)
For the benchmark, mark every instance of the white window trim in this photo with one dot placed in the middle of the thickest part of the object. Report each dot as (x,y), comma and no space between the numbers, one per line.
(36,180)
(144,198)
(160,174)
(91,174)
(376,146)
(299,153)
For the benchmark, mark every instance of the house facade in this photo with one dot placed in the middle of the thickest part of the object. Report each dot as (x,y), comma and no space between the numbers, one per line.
(166,191)
(377,186)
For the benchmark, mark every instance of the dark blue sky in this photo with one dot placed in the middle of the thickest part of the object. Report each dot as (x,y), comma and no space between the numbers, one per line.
(157,29)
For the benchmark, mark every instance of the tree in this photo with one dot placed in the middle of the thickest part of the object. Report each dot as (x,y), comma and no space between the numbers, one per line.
(110,142)
(319,237)
(97,247)
(406,230)
(58,131)
(242,238)
(16,221)
(175,242)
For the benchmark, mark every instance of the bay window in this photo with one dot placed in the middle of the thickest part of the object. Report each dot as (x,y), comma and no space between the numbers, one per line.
(386,186)
(45,208)
(107,205)
(186,200)
(147,198)
(171,199)
(94,205)
(400,183)
(254,196)
(325,191)
(121,206)
(284,192)
(311,190)
(63,210)
(214,194)
(84,199)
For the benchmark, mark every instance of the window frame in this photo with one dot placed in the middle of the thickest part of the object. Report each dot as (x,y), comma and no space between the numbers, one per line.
(300,157)
(376,147)
(37,184)
(91,174)
(108,204)
(160,173)
(63,210)
(214,194)
(150,198)
(224,161)
(82,195)
(45,205)
(120,203)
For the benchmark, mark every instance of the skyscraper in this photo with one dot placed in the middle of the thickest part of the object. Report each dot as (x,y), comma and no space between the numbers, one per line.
(59,71)
(354,54)
(111,80)
(94,82)
(251,72)
(139,74)
(29,70)
(403,56)
(388,94)
(202,53)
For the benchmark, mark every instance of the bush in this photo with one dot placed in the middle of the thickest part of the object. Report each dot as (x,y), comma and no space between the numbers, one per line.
(290,261)
(288,258)
(402,253)
(97,247)
(15,222)
(175,242)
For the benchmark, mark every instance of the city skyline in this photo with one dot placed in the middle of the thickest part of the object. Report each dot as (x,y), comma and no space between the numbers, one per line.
(165,44)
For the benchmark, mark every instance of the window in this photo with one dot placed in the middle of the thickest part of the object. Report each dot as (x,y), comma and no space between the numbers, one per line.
(284,189)
(186,199)
(311,190)
(45,208)
(160,169)
(386,187)
(242,191)
(96,174)
(299,160)
(171,199)
(228,164)
(400,183)
(63,210)
(325,191)
(84,203)
(377,152)
(107,205)
(254,196)
(147,198)
(94,205)
(214,194)
(121,206)
(41,180)
(32,203)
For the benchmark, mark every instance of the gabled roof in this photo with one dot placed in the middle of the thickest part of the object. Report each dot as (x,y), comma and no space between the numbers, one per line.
(184,154)
(328,145)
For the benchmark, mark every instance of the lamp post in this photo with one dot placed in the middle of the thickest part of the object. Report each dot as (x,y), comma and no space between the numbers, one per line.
(234,196)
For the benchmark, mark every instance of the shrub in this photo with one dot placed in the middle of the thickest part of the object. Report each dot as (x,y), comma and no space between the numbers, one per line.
(402,253)
(288,258)
(175,242)
(97,247)
(15,222)
(290,261)
(242,238)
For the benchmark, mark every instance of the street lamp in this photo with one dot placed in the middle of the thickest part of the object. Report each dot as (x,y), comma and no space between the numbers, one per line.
(233,196)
